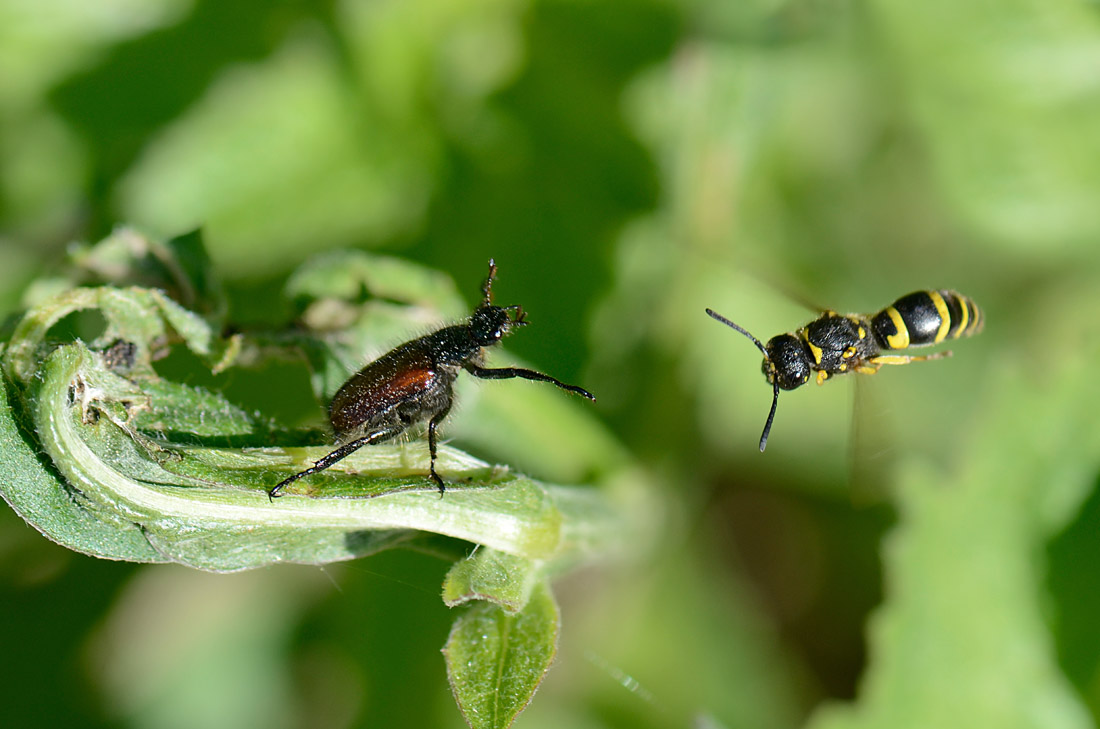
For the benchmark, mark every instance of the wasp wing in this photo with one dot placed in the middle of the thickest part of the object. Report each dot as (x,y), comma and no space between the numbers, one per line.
(872,443)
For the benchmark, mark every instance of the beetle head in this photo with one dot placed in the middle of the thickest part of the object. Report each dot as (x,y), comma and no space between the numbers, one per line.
(489,323)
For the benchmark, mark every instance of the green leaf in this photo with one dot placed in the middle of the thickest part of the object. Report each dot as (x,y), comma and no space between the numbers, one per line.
(145,318)
(180,267)
(497,577)
(208,507)
(48,503)
(351,276)
(496,661)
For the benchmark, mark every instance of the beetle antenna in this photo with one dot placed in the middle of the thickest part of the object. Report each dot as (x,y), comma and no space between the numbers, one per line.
(520,319)
(487,287)
(775,384)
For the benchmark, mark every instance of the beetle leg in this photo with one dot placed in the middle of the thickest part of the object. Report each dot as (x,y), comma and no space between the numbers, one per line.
(432,425)
(337,455)
(506,373)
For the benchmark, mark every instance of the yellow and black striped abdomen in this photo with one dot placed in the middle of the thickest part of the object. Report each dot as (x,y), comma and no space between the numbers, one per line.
(923,318)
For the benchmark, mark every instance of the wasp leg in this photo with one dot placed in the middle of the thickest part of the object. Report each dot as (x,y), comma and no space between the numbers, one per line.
(432,425)
(900,359)
(822,375)
(506,373)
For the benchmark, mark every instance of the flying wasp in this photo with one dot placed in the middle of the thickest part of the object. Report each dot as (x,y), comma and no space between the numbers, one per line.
(415,382)
(836,344)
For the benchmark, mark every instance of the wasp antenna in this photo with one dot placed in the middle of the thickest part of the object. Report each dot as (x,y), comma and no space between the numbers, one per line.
(759,345)
(771,417)
(487,287)
(775,385)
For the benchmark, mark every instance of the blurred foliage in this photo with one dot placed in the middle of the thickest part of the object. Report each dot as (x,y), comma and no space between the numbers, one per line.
(627,164)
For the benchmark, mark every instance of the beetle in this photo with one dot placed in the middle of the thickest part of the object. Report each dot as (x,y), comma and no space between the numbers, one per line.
(415,382)
(835,344)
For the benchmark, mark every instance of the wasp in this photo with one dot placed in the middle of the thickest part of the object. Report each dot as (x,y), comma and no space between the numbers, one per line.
(836,344)
(415,382)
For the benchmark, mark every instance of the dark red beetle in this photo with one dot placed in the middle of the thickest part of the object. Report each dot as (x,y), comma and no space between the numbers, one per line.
(415,382)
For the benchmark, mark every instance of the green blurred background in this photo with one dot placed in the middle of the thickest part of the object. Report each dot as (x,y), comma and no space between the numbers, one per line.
(919,551)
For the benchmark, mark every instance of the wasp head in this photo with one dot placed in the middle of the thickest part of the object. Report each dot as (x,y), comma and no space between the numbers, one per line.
(785,362)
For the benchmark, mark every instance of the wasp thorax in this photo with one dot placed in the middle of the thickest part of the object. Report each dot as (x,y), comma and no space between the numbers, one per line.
(786,363)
